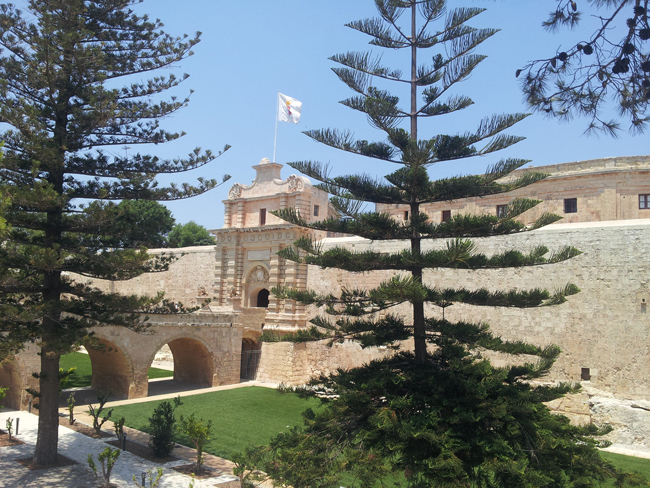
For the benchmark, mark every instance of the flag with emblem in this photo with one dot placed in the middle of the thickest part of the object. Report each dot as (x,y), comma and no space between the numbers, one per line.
(289,109)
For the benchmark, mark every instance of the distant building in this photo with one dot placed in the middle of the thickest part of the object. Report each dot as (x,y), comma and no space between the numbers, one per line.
(587,191)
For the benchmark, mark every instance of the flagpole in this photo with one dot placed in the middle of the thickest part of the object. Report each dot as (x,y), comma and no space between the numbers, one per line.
(277,115)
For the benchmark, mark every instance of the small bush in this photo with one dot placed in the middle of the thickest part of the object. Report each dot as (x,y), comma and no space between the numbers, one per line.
(71,405)
(96,413)
(107,457)
(10,427)
(119,428)
(162,424)
(198,432)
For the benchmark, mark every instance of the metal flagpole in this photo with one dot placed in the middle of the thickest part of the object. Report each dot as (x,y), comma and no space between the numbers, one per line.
(277,115)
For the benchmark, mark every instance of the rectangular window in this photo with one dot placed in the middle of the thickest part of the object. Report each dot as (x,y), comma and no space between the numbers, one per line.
(644,201)
(501,211)
(262,216)
(585,374)
(446,215)
(406,214)
(316,210)
(570,205)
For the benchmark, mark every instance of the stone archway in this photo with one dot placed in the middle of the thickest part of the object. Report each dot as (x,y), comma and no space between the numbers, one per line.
(193,362)
(112,370)
(251,353)
(262,300)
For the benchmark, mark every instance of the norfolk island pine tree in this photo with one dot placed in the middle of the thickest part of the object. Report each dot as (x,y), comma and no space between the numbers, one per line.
(73,85)
(439,415)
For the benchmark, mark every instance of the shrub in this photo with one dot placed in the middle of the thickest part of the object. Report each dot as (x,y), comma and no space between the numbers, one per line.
(198,432)
(71,404)
(107,457)
(10,427)
(119,428)
(162,424)
(96,413)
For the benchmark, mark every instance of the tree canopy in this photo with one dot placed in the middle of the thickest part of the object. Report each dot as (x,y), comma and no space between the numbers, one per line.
(190,234)
(78,78)
(436,413)
(608,70)
(144,223)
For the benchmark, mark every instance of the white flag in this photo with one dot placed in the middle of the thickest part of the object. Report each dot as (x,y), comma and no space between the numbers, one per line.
(289,109)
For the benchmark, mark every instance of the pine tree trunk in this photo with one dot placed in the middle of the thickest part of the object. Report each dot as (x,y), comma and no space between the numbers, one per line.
(419,332)
(48,410)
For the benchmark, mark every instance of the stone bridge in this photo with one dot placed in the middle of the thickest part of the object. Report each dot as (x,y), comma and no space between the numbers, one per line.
(206,348)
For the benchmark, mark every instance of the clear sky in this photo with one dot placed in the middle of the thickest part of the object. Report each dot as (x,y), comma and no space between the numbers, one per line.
(251,49)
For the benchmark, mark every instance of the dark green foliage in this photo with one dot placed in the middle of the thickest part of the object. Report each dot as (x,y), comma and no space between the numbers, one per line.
(162,427)
(79,78)
(144,223)
(476,427)
(436,414)
(190,234)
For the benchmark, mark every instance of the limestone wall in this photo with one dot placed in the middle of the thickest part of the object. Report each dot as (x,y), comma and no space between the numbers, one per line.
(296,364)
(191,274)
(16,375)
(604,328)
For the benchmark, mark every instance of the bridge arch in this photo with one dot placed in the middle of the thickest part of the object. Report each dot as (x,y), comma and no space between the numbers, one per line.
(112,369)
(193,360)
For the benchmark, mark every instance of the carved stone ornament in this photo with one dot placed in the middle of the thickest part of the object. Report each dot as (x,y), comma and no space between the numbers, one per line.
(259,274)
(235,192)
(295,183)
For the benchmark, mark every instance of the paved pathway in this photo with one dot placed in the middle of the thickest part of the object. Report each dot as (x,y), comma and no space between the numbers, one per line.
(77,446)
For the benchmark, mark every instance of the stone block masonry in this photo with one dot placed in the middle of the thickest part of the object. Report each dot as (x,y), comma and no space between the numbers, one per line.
(603,331)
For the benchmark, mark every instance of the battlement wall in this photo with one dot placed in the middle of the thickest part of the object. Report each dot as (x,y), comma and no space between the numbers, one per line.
(603,331)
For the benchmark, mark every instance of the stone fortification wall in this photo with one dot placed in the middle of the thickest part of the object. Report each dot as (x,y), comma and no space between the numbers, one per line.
(296,364)
(605,328)
(188,277)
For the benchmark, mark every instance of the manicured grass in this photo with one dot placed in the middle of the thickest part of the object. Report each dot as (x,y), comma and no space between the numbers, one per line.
(83,374)
(628,463)
(240,417)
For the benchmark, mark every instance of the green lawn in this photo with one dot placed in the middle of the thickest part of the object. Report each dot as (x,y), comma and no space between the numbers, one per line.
(629,464)
(83,374)
(240,417)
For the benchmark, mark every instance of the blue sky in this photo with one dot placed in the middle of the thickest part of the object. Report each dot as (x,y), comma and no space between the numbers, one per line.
(251,49)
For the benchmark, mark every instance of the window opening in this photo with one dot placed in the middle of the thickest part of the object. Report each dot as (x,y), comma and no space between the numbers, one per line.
(585,374)
(406,214)
(446,215)
(644,201)
(502,210)
(262,216)
(570,205)
(263,299)
(316,210)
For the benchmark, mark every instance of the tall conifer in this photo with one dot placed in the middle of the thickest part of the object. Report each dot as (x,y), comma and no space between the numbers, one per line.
(436,414)
(75,82)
